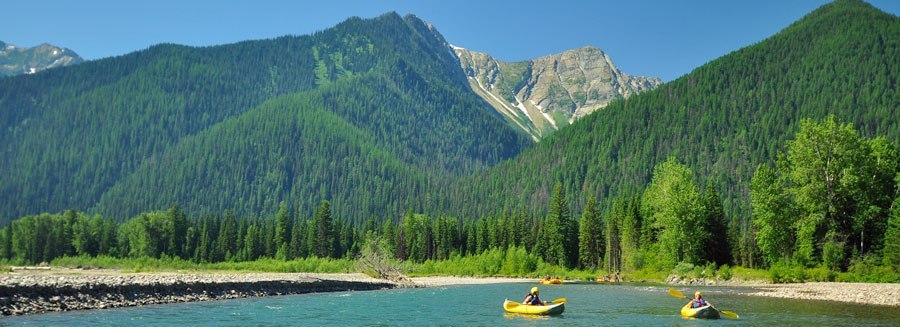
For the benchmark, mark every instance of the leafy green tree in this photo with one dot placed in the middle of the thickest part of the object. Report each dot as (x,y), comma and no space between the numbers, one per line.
(672,204)
(772,215)
(821,166)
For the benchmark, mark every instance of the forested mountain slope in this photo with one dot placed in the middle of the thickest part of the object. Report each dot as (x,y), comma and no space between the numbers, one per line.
(721,120)
(180,124)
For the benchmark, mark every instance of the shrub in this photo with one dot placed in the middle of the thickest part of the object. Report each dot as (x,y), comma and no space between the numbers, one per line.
(683,269)
(786,272)
(833,255)
(820,274)
(868,270)
(709,271)
(725,272)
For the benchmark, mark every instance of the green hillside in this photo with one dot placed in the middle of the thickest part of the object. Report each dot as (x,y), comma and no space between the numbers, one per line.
(721,120)
(368,102)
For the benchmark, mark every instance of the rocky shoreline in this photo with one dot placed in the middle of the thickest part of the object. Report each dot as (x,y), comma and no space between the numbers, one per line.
(32,293)
(859,293)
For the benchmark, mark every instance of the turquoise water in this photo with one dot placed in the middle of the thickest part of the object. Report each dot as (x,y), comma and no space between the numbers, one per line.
(588,305)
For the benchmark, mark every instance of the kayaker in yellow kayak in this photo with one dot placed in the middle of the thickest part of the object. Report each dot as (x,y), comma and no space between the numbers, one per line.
(533,299)
(698,301)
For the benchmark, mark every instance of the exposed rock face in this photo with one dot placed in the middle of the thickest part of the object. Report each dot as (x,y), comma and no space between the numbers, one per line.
(16,60)
(544,94)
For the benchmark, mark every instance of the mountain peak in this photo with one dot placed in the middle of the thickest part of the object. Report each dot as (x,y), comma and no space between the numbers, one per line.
(544,94)
(17,60)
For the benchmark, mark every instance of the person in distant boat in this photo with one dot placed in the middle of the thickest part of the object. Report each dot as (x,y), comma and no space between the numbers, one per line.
(698,301)
(533,299)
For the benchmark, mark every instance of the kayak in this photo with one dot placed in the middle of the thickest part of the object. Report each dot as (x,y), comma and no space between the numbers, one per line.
(705,312)
(551,309)
(605,281)
(552,281)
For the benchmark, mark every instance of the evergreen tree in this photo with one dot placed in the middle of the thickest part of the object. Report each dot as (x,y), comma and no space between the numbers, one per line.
(283,229)
(323,240)
(717,249)
(590,236)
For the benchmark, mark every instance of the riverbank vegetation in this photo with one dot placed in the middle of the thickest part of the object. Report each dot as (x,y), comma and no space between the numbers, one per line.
(826,209)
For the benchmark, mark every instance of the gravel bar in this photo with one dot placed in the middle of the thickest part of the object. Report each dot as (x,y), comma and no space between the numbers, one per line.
(49,291)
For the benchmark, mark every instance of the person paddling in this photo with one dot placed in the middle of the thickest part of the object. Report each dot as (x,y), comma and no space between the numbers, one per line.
(533,299)
(698,301)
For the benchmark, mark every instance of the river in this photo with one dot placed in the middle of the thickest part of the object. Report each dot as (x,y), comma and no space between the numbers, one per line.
(477,305)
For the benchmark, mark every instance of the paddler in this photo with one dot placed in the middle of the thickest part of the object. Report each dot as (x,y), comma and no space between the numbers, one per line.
(533,299)
(699,302)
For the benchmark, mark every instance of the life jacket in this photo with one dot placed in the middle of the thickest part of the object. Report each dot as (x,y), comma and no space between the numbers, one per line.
(534,299)
(698,303)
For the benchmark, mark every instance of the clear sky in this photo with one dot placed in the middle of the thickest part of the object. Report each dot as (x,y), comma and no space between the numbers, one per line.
(650,38)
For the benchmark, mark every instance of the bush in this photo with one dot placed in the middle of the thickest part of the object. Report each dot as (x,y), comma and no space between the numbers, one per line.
(709,271)
(869,270)
(833,255)
(725,272)
(683,269)
(820,274)
(786,272)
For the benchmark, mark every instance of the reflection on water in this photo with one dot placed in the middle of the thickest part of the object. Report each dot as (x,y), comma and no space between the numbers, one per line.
(477,305)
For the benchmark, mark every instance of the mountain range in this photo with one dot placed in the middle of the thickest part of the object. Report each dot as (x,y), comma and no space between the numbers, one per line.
(18,60)
(543,95)
(383,116)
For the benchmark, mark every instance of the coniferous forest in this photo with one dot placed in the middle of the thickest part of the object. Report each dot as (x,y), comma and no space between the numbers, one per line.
(781,155)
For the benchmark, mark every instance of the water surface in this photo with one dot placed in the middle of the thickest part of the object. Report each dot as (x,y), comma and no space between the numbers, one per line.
(479,305)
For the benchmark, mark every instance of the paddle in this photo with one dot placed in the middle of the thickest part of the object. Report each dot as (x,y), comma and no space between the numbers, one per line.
(726,313)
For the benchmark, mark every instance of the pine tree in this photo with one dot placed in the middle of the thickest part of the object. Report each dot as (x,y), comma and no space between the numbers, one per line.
(590,236)
(323,242)
(717,248)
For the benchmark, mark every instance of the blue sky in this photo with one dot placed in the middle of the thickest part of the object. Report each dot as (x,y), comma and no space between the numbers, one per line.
(649,38)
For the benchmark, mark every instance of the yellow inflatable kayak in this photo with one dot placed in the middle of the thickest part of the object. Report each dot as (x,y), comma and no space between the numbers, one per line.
(550,309)
(551,281)
(706,312)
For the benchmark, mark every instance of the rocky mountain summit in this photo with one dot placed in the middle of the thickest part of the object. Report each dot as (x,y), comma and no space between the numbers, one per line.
(544,94)
(18,60)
